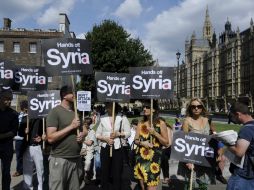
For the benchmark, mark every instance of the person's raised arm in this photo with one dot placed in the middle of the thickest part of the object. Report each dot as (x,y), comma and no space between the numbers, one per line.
(163,135)
(126,131)
(99,135)
(240,148)
(185,126)
(54,135)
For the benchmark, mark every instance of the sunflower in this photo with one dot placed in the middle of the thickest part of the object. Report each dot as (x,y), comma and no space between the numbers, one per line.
(137,171)
(144,131)
(146,153)
(140,172)
(154,167)
(153,183)
(156,143)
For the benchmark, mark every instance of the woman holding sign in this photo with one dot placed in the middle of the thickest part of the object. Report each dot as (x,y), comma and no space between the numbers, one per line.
(113,127)
(196,121)
(150,139)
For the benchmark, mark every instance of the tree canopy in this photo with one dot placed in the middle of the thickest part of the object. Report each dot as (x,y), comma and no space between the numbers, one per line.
(113,50)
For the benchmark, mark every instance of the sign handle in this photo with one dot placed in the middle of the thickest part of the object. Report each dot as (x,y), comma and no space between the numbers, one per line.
(27,127)
(17,100)
(43,133)
(191,178)
(151,120)
(113,125)
(74,100)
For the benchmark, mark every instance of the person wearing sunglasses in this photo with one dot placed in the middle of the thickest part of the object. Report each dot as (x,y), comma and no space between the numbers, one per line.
(196,121)
(150,139)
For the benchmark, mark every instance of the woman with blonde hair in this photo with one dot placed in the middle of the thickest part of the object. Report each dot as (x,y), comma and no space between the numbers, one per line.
(196,121)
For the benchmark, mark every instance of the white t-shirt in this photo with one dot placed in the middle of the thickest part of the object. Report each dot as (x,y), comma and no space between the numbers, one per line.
(131,138)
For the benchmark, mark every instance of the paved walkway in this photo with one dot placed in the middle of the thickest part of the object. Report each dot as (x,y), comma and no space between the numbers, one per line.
(176,182)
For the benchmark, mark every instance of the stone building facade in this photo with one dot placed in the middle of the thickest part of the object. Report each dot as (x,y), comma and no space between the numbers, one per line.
(23,46)
(218,70)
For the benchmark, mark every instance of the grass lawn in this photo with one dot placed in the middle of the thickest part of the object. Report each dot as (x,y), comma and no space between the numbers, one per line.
(218,125)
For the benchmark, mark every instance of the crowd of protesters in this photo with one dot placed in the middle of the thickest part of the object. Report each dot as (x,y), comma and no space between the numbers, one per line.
(101,145)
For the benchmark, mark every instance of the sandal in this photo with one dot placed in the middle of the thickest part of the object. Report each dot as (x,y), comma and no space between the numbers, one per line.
(16,174)
(166,181)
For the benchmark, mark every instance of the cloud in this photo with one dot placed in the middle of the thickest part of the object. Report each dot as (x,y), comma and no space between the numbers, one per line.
(20,10)
(50,15)
(129,9)
(167,32)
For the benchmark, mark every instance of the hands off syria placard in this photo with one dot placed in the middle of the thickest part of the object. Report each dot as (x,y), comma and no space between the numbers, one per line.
(194,148)
(112,87)
(151,82)
(67,56)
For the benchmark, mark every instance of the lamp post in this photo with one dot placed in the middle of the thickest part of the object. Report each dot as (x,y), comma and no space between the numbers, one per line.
(225,103)
(178,54)
(251,102)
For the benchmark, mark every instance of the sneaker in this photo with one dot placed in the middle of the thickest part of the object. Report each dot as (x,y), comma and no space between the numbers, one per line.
(221,179)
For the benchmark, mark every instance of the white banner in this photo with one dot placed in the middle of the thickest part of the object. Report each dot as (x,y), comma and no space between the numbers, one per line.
(84,100)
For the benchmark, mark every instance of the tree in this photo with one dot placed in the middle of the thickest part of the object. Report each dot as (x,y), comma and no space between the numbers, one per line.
(113,50)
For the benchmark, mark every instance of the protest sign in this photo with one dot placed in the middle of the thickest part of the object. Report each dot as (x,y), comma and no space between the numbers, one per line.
(194,148)
(41,102)
(151,82)
(6,72)
(27,78)
(112,87)
(66,56)
(84,100)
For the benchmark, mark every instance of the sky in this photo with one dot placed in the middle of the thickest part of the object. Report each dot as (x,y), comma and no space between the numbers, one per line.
(161,25)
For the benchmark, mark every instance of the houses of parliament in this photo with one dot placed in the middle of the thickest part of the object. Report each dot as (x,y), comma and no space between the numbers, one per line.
(218,69)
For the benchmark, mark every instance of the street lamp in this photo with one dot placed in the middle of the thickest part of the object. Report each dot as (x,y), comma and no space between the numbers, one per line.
(225,103)
(251,102)
(178,54)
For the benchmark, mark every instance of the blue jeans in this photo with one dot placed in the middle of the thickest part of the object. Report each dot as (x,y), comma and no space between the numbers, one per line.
(97,163)
(236,182)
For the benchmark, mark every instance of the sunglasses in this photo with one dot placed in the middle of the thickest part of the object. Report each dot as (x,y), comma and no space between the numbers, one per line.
(147,107)
(196,106)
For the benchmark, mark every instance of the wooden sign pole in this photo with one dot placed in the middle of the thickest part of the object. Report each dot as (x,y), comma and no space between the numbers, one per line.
(191,178)
(74,100)
(27,127)
(43,133)
(113,125)
(151,119)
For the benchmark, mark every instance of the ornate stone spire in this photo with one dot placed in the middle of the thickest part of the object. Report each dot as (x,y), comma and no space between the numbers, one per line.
(207,28)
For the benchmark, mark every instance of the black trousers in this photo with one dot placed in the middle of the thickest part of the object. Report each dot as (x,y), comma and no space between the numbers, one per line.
(164,161)
(6,154)
(111,168)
